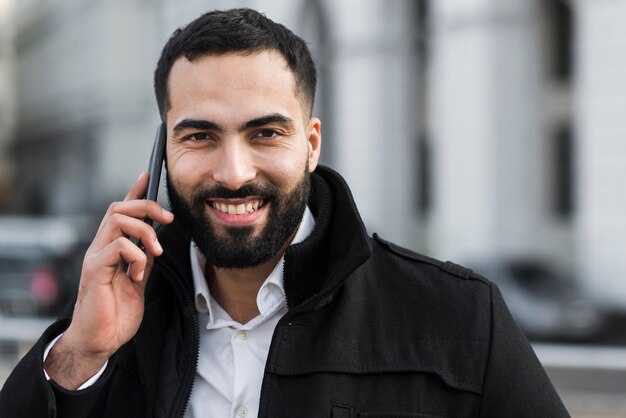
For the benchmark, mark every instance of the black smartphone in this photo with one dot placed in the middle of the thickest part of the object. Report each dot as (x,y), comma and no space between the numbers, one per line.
(154,170)
(156,164)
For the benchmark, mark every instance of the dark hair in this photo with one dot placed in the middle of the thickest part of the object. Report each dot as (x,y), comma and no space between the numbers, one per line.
(236,30)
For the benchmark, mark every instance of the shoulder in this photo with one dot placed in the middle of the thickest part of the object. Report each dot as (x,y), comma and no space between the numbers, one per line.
(411,312)
(438,299)
(412,290)
(389,255)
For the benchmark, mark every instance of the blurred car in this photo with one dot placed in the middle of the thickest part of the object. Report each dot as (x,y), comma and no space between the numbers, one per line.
(40,262)
(546,304)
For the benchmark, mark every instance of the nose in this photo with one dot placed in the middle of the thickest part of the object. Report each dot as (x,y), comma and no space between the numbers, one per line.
(234,165)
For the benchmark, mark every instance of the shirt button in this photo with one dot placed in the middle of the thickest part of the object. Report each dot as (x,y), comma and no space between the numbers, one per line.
(243,334)
(242,412)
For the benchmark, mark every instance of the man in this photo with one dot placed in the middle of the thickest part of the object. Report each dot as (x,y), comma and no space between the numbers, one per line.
(262,294)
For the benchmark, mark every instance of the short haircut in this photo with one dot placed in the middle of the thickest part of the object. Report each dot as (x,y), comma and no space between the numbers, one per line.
(243,31)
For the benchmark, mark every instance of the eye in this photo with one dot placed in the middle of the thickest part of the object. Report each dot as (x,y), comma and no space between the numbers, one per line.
(266,133)
(199,136)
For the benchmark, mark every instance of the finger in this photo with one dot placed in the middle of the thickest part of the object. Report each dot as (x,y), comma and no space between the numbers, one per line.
(136,271)
(139,209)
(138,189)
(117,253)
(142,209)
(119,226)
(144,236)
(132,256)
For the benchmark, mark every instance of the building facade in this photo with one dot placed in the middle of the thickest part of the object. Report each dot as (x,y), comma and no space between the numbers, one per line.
(472,130)
(7,101)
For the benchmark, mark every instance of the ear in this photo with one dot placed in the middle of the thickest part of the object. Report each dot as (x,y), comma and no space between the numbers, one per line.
(314,138)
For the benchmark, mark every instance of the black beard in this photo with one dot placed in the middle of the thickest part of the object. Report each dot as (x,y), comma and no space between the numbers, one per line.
(238,248)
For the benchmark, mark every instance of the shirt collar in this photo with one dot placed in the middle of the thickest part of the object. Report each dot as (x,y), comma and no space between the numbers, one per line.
(271,294)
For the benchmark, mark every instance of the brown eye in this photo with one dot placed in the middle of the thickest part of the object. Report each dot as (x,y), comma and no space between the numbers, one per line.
(266,133)
(198,137)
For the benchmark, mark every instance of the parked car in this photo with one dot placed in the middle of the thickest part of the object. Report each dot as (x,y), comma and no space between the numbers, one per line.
(40,262)
(545,303)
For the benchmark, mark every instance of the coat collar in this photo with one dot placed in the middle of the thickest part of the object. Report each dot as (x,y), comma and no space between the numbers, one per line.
(315,268)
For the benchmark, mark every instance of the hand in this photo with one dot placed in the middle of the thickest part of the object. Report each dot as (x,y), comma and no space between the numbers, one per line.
(110,303)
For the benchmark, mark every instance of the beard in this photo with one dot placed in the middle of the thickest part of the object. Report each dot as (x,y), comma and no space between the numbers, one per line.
(237,247)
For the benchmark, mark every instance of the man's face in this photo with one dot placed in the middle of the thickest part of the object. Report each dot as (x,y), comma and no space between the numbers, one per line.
(239,155)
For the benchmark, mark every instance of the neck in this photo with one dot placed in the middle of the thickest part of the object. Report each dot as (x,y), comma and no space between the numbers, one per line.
(236,290)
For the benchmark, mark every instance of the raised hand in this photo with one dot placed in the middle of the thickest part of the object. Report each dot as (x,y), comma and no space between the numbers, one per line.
(110,303)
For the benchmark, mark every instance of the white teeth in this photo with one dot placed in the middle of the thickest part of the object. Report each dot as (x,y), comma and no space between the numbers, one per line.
(239,209)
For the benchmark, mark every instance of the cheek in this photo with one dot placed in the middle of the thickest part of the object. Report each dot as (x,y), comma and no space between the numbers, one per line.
(285,172)
(186,171)
(284,162)
(188,167)
(288,179)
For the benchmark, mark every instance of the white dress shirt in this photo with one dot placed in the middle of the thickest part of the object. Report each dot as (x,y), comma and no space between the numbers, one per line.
(232,356)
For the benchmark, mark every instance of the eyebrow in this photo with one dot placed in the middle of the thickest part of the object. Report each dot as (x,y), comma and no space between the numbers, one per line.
(274,118)
(207,125)
(202,124)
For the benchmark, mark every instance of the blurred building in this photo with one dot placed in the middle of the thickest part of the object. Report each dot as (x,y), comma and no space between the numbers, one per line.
(474,130)
(6,100)
(527,141)
(84,109)
(600,129)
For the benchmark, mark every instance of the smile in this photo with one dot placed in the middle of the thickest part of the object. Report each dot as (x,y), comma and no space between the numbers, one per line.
(238,209)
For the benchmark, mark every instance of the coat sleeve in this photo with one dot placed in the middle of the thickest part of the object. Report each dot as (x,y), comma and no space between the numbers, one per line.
(27,392)
(515,385)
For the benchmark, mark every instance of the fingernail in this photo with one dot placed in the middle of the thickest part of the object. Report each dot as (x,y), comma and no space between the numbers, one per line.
(158,245)
(167,212)
(140,276)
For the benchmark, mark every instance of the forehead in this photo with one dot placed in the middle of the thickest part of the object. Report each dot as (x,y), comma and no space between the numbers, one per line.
(234,83)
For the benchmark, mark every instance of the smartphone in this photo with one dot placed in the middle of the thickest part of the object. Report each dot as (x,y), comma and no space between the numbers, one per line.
(156,164)
(154,170)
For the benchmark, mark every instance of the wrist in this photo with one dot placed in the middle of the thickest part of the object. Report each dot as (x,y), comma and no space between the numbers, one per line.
(70,367)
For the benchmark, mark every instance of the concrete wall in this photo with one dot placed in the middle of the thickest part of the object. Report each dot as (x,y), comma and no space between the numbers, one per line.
(485,126)
(601,154)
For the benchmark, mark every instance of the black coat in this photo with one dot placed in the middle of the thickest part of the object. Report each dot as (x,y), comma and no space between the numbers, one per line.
(373,330)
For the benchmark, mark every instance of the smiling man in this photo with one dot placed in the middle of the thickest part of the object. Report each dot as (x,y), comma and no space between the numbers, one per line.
(262,294)
(242,147)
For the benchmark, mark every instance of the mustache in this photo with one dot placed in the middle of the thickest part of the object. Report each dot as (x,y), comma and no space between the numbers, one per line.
(221,192)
